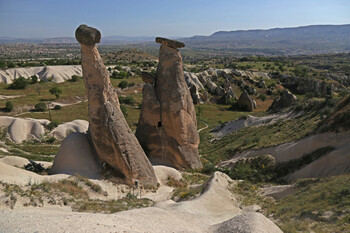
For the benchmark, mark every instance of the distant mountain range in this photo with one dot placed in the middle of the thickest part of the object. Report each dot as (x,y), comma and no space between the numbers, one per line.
(278,41)
(71,40)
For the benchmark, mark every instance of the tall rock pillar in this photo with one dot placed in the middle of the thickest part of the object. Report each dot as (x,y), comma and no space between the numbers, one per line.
(111,136)
(174,138)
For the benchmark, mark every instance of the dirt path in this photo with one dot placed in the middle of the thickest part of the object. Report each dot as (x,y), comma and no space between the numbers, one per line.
(201,129)
(4,97)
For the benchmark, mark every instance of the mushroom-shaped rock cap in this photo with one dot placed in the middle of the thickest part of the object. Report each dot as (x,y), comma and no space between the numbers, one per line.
(87,35)
(170,43)
(147,77)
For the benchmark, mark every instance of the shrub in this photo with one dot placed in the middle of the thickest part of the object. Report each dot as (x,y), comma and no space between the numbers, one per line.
(122,74)
(34,79)
(52,125)
(50,140)
(75,78)
(57,107)
(34,167)
(129,100)
(19,83)
(114,74)
(10,64)
(262,97)
(56,91)
(256,169)
(123,84)
(208,168)
(119,75)
(2,64)
(9,106)
(40,107)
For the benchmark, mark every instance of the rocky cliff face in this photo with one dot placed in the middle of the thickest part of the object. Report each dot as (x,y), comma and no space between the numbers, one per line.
(168,133)
(111,136)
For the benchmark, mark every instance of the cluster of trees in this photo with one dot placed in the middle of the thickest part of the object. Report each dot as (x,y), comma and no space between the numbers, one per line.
(120,75)
(300,71)
(50,62)
(124,84)
(22,83)
(6,64)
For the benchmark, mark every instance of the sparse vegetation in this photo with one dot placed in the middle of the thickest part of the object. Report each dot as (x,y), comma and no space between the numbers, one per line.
(75,78)
(9,106)
(56,91)
(18,83)
(129,100)
(52,125)
(40,107)
(109,207)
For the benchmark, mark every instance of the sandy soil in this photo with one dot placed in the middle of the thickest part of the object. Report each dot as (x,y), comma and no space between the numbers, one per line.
(216,205)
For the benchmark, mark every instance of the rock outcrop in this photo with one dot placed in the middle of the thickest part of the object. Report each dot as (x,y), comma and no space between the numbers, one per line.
(245,102)
(167,127)
(63,130)
(58,74)
(77,156)
(20,130)
(111,136)
(301,85)
(286,99)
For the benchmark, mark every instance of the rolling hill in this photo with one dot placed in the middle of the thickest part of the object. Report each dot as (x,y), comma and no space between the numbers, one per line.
(278,41)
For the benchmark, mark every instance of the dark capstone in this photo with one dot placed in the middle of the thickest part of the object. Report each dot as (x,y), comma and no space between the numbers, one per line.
(147,77)
(87,35)
(170,43)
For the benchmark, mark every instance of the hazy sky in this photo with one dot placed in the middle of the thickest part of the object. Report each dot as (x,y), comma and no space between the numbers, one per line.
(55,18)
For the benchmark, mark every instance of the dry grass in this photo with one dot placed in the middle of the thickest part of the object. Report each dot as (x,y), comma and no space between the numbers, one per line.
(109,207)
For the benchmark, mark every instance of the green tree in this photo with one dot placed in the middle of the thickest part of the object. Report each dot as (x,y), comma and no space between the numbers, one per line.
(56,91)
(10,64)
(75,78)
(40,107)
(34,79)
(129,100)
(122,74)
(2,64)
(123,84)
(19,83)
(9,106)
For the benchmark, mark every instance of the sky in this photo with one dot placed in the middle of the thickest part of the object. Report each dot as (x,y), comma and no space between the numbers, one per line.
(170,18)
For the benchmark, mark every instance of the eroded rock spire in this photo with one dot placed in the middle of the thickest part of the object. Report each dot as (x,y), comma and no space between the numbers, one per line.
(167,128)
(111,136)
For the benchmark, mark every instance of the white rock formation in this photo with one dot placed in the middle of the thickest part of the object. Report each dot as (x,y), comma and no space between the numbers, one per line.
(57,73)
(77,156)
(62,130)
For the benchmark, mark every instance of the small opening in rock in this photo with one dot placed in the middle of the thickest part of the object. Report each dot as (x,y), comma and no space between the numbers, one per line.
(159,124)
